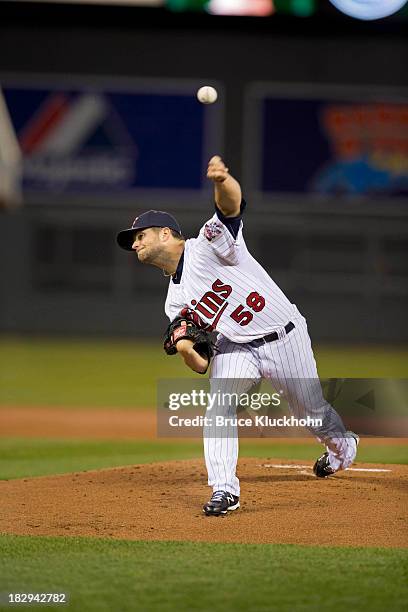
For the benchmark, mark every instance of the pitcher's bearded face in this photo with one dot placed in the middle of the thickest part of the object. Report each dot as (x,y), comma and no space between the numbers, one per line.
(147,245)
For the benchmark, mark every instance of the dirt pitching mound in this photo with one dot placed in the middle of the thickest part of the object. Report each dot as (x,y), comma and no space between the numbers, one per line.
(281,502)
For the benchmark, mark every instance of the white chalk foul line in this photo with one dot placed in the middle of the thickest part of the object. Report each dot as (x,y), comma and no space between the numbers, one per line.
(366,470)
(283,466)
(303,467)
(306,473)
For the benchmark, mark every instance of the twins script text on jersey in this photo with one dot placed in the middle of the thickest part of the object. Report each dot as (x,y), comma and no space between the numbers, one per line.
(227,287)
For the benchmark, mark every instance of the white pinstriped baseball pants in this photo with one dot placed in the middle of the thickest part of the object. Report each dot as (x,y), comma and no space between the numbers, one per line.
(290,365)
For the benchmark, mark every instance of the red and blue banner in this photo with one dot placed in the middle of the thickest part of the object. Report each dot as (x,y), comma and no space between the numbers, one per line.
(109,139)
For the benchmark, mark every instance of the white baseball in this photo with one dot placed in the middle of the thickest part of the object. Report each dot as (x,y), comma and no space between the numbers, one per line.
(207,95)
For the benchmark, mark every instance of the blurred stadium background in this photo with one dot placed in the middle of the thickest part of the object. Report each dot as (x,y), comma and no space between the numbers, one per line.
(99,122)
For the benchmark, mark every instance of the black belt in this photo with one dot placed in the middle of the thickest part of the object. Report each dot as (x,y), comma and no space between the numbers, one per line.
(271,337)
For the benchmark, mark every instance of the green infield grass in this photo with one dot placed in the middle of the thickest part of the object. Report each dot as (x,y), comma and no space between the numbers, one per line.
(84,374)
(23,457)
(107,575)
(125,374)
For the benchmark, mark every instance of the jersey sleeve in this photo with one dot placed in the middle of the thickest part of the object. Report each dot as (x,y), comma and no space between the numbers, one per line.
(233,224)
(223,235)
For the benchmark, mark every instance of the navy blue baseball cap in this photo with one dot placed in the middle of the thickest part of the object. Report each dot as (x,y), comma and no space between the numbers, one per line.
(151,218)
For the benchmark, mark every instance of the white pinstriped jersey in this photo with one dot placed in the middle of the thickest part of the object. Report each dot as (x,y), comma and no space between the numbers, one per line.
(227,287)
(219,279)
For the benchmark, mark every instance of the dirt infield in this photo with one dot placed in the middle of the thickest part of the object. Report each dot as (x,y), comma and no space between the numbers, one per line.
(281,501)
(97,423)
(162,501)
(110,424)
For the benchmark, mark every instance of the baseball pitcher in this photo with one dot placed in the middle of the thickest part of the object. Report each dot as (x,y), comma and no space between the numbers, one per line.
(216,285)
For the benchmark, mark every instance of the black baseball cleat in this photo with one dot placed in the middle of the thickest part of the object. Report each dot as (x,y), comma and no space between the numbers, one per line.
(322,468)
(221,502)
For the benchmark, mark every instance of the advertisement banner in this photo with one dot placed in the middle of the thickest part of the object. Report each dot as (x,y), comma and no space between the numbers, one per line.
(328,141)
(111,137)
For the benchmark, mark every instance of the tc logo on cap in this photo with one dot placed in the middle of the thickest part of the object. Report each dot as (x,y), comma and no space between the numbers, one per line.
(151,218)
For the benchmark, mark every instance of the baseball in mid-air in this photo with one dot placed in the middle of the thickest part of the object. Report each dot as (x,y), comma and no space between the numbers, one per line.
(207,95)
